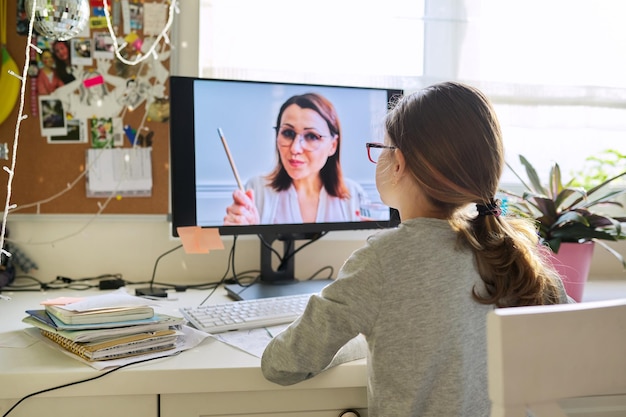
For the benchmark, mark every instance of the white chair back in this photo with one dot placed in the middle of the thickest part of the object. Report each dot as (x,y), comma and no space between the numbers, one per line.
(551,360)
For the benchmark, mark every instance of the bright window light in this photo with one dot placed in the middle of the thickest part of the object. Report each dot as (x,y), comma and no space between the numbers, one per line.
(362,39)
(554,69)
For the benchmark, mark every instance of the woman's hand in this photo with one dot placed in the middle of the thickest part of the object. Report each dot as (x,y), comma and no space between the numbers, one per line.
(243,210)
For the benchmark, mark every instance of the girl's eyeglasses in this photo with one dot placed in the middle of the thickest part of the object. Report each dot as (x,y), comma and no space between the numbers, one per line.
(374,149)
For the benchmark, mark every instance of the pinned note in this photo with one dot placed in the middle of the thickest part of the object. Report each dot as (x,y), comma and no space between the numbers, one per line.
(93,81)
(124,171)
(199,240)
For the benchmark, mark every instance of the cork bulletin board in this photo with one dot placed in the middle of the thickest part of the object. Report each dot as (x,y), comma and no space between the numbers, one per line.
(133,111)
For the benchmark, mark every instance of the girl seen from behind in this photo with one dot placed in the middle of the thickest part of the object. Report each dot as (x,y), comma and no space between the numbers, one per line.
(420,294)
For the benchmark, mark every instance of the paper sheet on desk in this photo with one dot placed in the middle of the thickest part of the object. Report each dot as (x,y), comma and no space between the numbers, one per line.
(251,341)
(15,339)
(191,339)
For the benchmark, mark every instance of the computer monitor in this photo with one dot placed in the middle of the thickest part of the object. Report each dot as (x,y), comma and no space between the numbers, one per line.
(246,113)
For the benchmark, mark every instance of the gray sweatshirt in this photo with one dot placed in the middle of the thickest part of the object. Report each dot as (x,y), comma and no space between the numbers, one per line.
(409,292)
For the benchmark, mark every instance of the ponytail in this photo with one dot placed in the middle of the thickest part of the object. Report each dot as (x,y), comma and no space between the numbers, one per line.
(509,259)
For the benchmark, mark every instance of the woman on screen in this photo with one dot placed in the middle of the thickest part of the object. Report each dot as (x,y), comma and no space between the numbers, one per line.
(307,184)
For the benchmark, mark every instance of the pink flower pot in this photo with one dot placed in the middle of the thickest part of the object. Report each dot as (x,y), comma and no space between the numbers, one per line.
(573,262)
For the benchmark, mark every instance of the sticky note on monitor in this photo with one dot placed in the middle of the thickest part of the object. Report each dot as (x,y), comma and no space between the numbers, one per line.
(199,240)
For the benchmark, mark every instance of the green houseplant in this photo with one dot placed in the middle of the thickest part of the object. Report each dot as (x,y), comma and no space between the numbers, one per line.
(567,213)
(600,167)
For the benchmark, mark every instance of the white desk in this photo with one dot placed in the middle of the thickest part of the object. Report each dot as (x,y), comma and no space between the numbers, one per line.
(212,379)
(209,380)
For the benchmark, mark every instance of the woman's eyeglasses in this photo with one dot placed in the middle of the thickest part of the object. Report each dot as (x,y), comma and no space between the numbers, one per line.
(309,140)
(374,149)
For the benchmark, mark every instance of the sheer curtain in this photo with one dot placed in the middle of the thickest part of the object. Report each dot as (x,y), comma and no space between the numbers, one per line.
(352,42)
(556,70)
(557,73)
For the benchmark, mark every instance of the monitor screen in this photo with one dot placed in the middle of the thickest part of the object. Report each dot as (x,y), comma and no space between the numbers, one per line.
(280,140)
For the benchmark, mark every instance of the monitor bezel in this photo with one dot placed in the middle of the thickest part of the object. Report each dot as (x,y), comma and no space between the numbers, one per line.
(183,169)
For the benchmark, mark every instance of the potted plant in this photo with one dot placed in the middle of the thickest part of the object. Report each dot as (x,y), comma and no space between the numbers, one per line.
(570,220)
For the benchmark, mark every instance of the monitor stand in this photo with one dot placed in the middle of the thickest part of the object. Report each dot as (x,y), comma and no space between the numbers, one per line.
(280,281)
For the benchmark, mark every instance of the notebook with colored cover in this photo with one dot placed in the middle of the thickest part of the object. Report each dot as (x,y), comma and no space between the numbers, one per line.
(51,320)
(101,315)
(79,333)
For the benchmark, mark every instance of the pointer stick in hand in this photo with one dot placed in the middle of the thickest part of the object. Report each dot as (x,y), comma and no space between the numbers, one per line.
(230,159)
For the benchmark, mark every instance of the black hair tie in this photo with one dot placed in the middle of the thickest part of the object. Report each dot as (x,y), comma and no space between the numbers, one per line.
(490,209)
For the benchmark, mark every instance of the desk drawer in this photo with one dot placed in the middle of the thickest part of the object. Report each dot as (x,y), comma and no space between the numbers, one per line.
(100,406)
(283,402)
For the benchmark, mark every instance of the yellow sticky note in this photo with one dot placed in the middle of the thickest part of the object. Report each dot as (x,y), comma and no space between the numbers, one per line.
(199,240)
(99,22)
(131,37)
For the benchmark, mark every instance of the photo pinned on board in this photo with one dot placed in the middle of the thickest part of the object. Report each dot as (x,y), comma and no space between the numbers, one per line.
(101,132)
(159,110)
(103,45)
(47,79)
(81,51)
(52,120)
(76,133)
(136,16)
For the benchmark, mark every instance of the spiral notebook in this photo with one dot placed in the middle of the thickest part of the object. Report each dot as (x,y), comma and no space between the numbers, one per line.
(122,347)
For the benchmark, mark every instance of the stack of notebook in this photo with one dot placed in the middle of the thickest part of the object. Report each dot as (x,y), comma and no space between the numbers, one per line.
(105,327)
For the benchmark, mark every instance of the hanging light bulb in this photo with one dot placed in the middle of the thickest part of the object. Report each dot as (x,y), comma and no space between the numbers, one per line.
(58,19)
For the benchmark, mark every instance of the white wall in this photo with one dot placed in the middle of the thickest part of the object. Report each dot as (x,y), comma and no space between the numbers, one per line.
(185,32)
(81,246)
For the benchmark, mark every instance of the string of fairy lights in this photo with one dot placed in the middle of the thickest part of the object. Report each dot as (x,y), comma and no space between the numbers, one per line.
(151,52)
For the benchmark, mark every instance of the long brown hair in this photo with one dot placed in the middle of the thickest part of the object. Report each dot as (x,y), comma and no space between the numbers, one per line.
(451,139)
(330,174)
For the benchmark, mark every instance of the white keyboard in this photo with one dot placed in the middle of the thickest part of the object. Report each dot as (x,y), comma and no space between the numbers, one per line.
(246,314)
